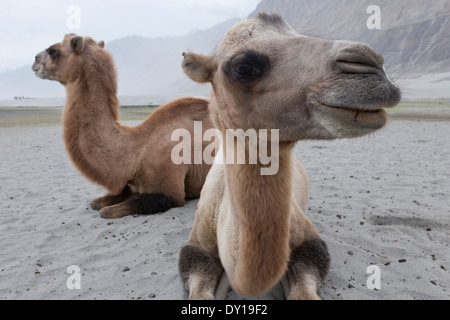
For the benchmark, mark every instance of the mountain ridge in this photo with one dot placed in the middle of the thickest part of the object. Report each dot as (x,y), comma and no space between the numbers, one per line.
(414,39)
(406,24)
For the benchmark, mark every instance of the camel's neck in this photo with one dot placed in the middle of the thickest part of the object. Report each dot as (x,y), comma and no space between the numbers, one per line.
(261,206)
(94,139)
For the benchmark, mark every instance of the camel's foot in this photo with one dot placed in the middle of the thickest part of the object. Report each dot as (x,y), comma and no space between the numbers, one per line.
(138,204)
(200,272)
(110,200)
(307,270)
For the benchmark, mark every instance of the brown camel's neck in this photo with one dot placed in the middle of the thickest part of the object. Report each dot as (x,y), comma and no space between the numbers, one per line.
(261,205)
(95,141)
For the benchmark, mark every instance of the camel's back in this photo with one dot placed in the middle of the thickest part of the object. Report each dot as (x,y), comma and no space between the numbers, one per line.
(179,111)
(181,114)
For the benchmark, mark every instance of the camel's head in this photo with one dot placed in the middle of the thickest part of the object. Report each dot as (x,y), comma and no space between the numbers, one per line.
(61,61)
(266,76)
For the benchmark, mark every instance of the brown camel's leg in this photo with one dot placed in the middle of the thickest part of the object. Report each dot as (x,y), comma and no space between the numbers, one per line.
(110,200)
(141,203)
(307,270)
(200,272)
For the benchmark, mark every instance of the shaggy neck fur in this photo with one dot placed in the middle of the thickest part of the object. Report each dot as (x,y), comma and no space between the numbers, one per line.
(95,141)
(261,207)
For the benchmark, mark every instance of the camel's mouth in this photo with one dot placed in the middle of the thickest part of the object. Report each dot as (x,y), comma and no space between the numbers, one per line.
(360,114)
(347,122)
(35,68)
(38,69)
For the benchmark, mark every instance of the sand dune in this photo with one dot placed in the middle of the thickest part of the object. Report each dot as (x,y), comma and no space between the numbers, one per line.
(380,200)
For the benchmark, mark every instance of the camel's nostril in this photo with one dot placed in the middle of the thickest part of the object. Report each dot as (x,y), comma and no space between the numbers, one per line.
(359,58)
(359,64)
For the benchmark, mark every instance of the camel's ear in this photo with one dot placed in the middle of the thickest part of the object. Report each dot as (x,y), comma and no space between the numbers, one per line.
(76,44)
(198,67)
(101,44)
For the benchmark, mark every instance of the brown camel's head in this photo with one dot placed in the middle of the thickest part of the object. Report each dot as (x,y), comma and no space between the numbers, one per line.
(266,76)
(64,61)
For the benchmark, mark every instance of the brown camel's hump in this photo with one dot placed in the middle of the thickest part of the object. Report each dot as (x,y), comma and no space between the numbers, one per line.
(191,108)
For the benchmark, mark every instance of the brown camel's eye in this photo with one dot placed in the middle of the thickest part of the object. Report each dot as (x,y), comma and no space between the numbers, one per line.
(52,53)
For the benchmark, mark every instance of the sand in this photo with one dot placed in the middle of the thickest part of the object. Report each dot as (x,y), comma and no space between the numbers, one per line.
(379,200)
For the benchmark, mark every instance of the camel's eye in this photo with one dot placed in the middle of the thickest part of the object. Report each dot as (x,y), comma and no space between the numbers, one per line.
(244,69)
(248,66)
(52,53)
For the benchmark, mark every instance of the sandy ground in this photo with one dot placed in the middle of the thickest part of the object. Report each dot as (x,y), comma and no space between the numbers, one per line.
(380,200)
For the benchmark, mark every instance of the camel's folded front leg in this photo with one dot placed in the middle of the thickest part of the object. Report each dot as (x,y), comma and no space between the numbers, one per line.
(200,272)
(110,200)
(307,270)
(140,203)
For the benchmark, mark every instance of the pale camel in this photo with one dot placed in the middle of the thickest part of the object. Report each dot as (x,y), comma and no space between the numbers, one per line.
(132,163)
(253,227)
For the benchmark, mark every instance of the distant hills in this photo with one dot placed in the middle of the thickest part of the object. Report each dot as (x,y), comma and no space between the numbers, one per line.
(145,67)
(414,38)
(152,66)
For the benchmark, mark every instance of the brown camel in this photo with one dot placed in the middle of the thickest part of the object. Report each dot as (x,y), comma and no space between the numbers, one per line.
(251,226)
(132,163)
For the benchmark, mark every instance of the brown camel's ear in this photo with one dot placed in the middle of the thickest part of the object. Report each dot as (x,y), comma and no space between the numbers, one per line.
(101,44)
(76,44)
(198,67)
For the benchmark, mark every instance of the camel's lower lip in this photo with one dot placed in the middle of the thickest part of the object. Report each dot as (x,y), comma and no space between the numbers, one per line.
(359,116)
(35,67)
(357,112)
(354,109)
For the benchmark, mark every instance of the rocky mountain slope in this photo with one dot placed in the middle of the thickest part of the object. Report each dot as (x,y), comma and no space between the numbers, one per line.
(414,35)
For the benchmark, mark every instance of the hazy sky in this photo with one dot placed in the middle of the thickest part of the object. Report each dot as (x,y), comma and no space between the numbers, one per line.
(29,26)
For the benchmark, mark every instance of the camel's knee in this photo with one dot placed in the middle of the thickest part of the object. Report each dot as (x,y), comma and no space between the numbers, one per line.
(307,270)
(199,271)
(149,203)
(313,256)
